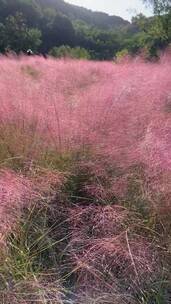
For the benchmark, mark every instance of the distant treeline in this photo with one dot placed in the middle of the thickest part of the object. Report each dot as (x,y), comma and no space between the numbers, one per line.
(58,28)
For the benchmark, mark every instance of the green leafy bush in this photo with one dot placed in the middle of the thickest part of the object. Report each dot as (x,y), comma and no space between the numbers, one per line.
(67,51)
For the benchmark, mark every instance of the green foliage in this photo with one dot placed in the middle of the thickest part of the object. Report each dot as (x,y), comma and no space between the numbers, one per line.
(58,31)
(156,294)
(95,19)
(2,37)
(122,54)
(153,34)
(29,260)
(67,51)
(44,25)
(16,36)
(102,44)
(159,6)
(158,29)
(24,23)
(33,39)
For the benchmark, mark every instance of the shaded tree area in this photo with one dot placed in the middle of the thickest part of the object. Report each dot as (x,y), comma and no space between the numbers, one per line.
(100,20)
(16,35)
(46,25)
(42,25)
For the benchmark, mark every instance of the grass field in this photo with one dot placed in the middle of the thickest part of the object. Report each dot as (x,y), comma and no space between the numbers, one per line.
(85,181)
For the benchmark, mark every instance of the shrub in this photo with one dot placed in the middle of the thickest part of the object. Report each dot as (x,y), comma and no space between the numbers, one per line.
(66,51)
(123,54)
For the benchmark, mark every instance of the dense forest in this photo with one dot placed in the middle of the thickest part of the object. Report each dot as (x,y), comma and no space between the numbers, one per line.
(59,28)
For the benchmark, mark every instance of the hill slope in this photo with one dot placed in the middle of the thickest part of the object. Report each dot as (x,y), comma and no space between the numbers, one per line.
(44,24)
(98,19)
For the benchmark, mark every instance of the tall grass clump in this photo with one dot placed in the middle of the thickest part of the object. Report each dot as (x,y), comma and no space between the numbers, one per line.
(85,181)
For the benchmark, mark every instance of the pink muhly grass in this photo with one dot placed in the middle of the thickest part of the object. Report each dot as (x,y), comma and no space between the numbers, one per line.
(16,192)
(119,112)
(40,289)
(47,183)
(112,124)
(107,253)
(72,104)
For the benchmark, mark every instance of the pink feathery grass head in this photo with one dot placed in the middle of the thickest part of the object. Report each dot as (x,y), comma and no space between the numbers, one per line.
(73,104)
(107,253)
(119,112)
(16,192)
(46,182)
(111,124)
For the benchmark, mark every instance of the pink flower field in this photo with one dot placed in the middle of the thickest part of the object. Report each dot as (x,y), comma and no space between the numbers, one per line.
(85,181)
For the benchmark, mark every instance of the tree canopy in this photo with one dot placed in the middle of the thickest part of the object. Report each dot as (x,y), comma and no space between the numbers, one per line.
(46,25)
(159,6)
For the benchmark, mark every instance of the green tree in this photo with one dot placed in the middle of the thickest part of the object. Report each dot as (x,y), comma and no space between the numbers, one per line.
(57,31)
(15,30)
(33,39)
(59,52)
(2,37)
(151,37)
(162,25)
(18,37)
(159,6)
(65,51)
